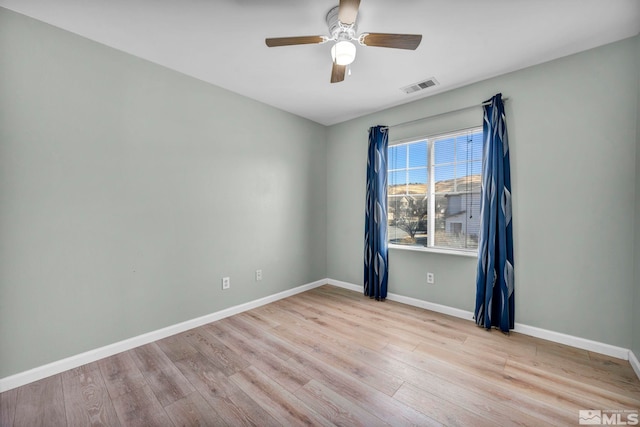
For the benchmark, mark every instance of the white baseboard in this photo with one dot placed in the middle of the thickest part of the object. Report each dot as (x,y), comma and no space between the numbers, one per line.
(59,366)
(438,308)
(582,343)
(409,301)
(635,363)
(573,341)
(346,285)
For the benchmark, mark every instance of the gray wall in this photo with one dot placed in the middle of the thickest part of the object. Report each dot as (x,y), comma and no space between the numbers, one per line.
(636,299)
(127,191)
(572,127)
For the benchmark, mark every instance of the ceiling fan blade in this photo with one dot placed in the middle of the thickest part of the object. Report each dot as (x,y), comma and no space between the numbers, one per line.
(348,11)
(290,41)
(337,73)
(396,41)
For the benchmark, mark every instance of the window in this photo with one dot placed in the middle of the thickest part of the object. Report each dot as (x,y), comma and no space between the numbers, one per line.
(433,191)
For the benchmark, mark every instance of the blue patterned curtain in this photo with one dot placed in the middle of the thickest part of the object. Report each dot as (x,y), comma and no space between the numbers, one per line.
(494,281)
(375,231)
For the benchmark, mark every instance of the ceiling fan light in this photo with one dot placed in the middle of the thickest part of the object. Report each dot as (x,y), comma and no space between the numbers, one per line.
(343,52)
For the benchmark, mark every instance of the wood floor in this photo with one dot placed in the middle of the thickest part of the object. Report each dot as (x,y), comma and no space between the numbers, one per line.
(330,356)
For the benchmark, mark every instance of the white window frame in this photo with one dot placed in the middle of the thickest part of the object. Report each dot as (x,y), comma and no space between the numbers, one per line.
(432,193)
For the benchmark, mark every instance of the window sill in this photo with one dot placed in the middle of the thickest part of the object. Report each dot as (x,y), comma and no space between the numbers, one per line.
(468,254)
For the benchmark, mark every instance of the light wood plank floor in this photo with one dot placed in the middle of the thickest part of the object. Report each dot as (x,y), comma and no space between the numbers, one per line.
(331,357)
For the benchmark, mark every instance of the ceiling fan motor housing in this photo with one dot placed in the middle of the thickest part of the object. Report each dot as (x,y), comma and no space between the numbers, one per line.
(337,29)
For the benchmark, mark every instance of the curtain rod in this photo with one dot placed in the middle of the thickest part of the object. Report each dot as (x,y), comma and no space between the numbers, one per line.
(443,114)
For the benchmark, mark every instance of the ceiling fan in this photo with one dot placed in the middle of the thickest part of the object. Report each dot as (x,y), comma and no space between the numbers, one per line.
(342,27)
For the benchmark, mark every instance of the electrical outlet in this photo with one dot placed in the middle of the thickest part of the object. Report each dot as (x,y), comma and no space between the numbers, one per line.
(258,275)
(430,278)
(226,282)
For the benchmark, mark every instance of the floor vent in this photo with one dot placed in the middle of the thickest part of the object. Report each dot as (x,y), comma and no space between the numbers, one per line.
(419,86)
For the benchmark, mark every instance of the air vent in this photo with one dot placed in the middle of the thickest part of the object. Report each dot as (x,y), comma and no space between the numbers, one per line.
(419,86)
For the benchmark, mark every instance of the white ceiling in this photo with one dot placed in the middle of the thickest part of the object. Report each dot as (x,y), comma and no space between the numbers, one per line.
(222,42)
